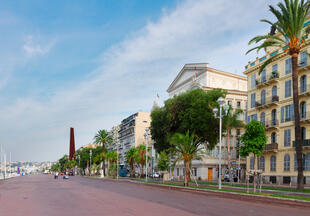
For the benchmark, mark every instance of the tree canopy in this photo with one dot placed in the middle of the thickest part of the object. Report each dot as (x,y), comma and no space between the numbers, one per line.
(190,111)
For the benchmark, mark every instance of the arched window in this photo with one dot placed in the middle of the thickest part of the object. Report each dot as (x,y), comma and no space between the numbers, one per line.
(273,138)
(263,97)
(303,110)
(262,118)
(262,163)
(303,84)
(273,163)
(252,163)
(303,133)
(274,92)
(287,162)
(263,76)
(307,162)
(274,117)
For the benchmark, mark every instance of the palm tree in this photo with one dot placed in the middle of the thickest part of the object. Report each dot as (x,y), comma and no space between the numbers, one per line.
(112,160)
(131,159)
(102,137)
(230,121)
(141,157)
(290,32)
(186,148)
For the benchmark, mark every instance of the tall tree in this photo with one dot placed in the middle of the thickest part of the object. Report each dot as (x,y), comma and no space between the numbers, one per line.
(191,111)
(131,160)
(140,157)
(102,137)
(186,148)
(230,121)
(254,141)
(290,32)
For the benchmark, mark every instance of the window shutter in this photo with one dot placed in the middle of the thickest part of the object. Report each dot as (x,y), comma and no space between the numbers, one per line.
(292,111)
(282,114)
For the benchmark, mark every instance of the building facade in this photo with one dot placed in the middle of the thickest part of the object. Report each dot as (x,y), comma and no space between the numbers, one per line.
(270,101)
(131,133)
(202,76)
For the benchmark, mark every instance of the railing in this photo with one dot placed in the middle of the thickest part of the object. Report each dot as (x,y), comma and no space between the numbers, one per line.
(271,147)
(271,123)
(267,101)
(304,89)
(305,142)
(274,75)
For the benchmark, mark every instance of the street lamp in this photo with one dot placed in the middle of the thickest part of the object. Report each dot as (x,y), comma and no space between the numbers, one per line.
(90,154)
(221,102)
(79,157)
(117,144)
(146,143)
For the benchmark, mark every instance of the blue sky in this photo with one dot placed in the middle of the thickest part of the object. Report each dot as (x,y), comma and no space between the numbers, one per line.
(89,64)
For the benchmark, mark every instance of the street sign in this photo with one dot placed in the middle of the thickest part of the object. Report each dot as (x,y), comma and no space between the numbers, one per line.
(233,161)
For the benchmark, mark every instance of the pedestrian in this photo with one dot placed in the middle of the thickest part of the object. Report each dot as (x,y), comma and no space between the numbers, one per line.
(56,175)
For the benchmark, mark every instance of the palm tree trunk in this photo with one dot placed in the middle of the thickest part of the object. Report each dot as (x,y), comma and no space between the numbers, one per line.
(187,173)
(103,157)
(298,148)
(255,168)
(228,154)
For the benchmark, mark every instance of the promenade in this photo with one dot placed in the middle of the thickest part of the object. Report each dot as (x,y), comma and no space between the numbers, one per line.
(79,196)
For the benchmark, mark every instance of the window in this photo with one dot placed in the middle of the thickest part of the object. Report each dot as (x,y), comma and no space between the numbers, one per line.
(295,162)
(303,59)
(274,91)
(263,76)
(273,163)
(275,68)
(288,85)
(288,66)
(254,117)
(252,163)
(262,163)
(238,132)
(194,171)
(303,110)
(303,84)
(263,97)
(274,117)
(287,162)
(303,133)
(253,100)
(238,104)
(287,137)
(262,118)
(273,138)
(178,172)
(253,80)
(287,113)
(307,162)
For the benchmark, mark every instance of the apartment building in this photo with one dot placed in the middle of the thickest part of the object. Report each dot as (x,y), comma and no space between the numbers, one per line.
(202,76)
(131,133)
(270,101)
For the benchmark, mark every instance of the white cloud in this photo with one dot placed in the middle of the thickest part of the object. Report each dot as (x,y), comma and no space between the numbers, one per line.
(33,48)
(131,74)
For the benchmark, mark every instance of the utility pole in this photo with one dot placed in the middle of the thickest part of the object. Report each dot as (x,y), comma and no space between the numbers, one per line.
(4,165)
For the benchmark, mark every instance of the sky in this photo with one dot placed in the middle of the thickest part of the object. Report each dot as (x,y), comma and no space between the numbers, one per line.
(90,64)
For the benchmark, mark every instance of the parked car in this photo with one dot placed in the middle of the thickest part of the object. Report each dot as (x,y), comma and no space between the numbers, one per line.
(154,175)
(226,177)
(65,177)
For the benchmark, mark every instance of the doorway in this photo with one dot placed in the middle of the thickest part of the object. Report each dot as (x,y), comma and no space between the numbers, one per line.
(210,171)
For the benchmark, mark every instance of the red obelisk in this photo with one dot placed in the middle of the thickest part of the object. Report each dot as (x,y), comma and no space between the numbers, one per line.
(72,145)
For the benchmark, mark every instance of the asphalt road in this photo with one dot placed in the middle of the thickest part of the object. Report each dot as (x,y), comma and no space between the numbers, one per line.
(41,195)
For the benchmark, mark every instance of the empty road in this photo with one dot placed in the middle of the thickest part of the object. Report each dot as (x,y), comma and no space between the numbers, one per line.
(41,195)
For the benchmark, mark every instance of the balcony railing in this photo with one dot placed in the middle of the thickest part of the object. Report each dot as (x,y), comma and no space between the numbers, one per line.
(305,142)
(271,147)
(273,123)
(262,82)
(268,101)
(304,90)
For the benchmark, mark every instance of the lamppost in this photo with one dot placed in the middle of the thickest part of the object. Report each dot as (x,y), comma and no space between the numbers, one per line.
(146,135)
(117,158)
(221,102)
(90,154)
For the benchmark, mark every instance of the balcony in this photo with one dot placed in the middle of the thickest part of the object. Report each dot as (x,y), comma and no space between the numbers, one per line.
(271,124)
(272,79)
(271,147)
(305,117)
(270,101)
(305,143)
(304,90)
(303,66)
